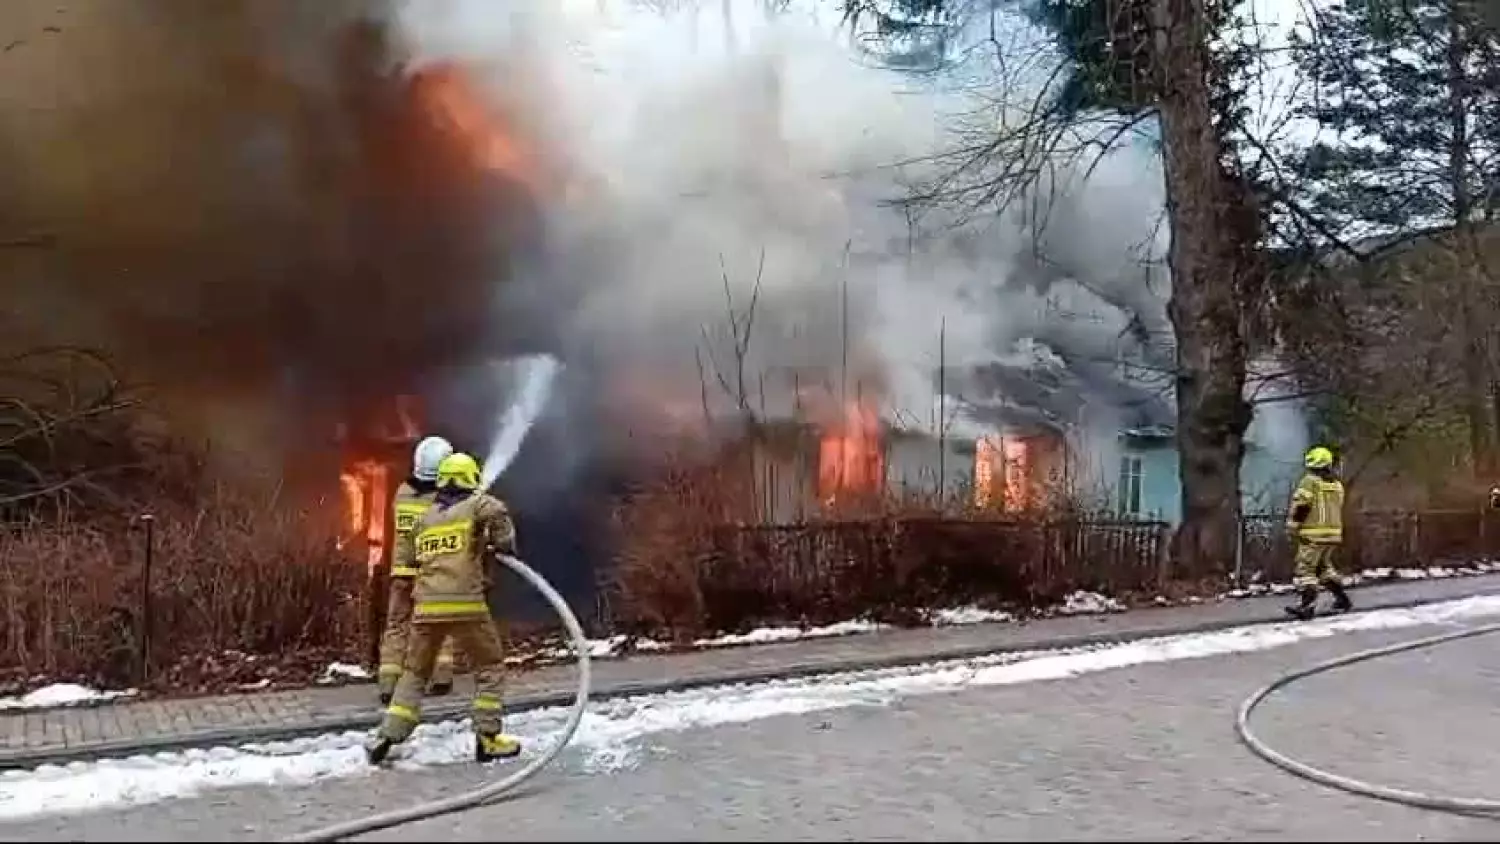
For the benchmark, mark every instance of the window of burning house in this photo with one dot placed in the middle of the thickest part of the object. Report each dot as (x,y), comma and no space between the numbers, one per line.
(1131,470)
(374,454)
(1002,468)
(851,458)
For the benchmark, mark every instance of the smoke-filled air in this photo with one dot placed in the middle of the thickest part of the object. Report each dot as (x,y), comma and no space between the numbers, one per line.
(725,226)
(323,205)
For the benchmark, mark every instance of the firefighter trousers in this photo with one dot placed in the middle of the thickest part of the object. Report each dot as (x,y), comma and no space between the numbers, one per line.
(1313,564)
(481,641)
(395,641)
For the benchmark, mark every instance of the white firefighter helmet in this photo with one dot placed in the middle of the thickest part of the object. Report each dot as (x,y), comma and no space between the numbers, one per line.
(430,452)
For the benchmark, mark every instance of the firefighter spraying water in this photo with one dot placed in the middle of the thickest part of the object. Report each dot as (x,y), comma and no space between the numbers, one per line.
(453,544)
(449,531)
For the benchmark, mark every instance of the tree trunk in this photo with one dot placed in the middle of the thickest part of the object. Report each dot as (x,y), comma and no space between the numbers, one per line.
(1475,351)
(1207,260)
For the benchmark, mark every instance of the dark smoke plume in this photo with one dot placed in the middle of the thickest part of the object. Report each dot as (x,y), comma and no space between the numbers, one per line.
(244,203)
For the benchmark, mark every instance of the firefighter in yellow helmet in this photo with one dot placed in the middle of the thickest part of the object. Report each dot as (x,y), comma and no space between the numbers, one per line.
(453,543)
(412,499)
(1316,522)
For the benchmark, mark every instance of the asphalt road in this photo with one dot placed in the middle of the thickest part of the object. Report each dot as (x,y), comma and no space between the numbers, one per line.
(1145,753)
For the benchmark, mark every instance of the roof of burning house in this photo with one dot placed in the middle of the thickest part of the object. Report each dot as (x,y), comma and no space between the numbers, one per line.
(1054,397)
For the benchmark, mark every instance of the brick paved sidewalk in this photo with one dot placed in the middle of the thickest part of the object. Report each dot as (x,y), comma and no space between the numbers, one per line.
(58,736)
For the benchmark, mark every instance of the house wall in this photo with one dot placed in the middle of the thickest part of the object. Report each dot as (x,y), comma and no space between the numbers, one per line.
(786,476)
(1266,480)
(914,464)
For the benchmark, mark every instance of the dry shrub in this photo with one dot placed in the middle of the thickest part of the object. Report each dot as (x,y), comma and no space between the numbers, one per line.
(664,533)
(230,574)
(694,557)
(254,572)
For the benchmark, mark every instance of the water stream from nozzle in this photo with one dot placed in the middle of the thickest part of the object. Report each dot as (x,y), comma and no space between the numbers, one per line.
(535,374)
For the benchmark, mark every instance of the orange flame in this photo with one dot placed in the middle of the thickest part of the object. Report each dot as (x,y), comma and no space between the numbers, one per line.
(1002,462)
(456,101)
(367,488)
(849,455)
(367,482)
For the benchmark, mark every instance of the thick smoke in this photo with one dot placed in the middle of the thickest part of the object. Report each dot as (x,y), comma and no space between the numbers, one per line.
(244,204)
(714,168)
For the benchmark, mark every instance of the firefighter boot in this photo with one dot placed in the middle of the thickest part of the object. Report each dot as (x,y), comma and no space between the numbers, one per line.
(489,747)
(377,751)
(1308,605)
(1341,602)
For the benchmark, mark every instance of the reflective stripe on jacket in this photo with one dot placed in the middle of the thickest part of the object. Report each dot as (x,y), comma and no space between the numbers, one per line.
(1324,500)
(450,546)
(410,504)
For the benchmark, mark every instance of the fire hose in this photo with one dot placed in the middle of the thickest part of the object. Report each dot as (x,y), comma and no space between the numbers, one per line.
(1418,799)
(495,790)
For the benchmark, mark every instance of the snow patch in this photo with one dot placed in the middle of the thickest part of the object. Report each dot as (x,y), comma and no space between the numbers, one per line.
(1089,603)
(1257,585)
(611,734)
(62,694)
(958,616)
(768,635)
(339,672)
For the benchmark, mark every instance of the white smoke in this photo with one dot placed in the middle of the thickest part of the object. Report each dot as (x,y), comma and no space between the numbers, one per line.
(719,165)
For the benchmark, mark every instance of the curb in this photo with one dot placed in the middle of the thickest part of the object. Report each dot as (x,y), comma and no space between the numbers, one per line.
(448,711)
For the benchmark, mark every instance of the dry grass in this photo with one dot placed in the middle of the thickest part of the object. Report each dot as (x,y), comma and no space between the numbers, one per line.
(232,574)
(233,570)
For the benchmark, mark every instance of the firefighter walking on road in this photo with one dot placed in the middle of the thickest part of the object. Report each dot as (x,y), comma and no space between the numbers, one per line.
(453,544)
(1316,523)
(412,500)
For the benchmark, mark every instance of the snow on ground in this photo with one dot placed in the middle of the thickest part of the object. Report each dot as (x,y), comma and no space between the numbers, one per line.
(1089,603)
(1375,575)
(339,672)
(612,733)
(619,645)
(62,694)
(767,635)
(959,616)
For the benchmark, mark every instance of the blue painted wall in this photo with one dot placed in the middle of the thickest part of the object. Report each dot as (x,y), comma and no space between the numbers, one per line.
(1266,479)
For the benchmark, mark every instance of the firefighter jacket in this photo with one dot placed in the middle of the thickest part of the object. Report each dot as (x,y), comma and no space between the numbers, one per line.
(1323,501)
(412,500)
(451,545)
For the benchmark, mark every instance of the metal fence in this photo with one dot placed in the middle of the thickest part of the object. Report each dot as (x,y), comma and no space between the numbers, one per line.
(825,571)
(1376,540)
(822,569)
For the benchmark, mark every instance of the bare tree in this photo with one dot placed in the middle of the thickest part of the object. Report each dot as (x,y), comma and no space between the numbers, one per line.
(1140,62)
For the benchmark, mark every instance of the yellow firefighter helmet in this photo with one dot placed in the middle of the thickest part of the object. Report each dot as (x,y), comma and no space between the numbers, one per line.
(460,470)
(1318,457)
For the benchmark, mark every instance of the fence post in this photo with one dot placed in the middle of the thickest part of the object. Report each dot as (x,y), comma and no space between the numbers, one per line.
(1162,534)
(1239,551)
(148,522)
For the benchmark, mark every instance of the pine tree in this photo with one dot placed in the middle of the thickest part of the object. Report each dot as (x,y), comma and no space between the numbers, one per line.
(1410,92)
(1411,95)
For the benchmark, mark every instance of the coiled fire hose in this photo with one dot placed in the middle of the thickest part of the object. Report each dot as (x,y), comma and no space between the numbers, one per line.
(495,790)
(1418,799)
